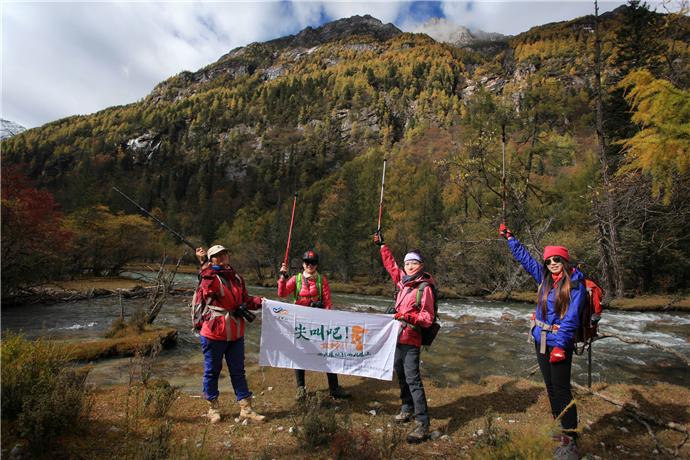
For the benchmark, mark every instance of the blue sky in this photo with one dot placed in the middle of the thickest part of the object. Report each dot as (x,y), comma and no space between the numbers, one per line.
(66,58)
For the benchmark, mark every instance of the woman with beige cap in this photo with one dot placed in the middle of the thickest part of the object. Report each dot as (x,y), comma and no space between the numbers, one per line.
(222,333)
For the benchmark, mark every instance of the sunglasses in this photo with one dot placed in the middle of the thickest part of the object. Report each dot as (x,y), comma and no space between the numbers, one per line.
(553,260)
(311,262)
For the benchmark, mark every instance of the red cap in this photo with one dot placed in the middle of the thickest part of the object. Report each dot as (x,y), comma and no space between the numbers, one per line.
(550,251)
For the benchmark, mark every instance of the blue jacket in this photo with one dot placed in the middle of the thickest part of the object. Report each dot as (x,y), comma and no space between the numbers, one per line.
(565,336)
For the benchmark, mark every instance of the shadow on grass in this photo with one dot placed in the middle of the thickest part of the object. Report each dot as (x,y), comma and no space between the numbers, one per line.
(506,399)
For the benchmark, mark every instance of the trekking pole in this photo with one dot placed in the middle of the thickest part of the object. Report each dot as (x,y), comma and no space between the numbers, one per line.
(589,367)
(292,221)
(503,175)
(383,181)
(158,221)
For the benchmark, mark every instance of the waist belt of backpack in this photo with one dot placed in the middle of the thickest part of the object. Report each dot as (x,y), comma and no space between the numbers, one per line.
(544,329)
(227,314)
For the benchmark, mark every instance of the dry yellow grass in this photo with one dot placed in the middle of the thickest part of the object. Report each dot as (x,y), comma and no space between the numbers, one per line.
(519,406)
(120,346)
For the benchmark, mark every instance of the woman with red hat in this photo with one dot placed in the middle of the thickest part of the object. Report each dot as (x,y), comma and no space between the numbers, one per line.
(310,289)
(561,299)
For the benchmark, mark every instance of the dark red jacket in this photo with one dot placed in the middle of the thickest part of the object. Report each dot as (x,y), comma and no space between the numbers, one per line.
(406,300)
(225,289)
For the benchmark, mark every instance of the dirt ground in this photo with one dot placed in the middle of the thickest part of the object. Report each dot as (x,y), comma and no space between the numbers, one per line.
(517,406)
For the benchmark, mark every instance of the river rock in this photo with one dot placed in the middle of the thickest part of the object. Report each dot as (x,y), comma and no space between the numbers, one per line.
(507,317)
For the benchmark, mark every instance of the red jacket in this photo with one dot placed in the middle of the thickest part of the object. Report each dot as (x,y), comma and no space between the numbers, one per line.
(225,289)
(309,292)
(407,298)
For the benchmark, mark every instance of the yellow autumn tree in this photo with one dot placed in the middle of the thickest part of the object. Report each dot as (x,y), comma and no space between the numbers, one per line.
(662,146)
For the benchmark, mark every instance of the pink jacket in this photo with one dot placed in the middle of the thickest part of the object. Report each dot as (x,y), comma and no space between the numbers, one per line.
(407,298)
(309,292)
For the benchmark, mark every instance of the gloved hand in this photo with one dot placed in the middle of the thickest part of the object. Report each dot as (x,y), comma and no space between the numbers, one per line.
(504,231)
(283,271)
(317,304)
(404,317)
(378,238)
(557,355)
(595,319)
(533,317)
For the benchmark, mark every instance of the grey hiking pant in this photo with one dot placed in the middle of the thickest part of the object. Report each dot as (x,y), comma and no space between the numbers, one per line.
(412,394)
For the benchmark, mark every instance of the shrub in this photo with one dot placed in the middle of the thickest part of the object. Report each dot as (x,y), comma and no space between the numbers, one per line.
(158,397)
(496,443)
(360,444)
(40,390)
(318,423)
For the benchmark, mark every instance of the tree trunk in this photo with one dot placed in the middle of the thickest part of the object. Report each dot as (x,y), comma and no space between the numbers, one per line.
(608,227)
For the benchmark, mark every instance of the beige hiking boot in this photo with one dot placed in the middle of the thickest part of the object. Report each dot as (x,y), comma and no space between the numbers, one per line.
(247,412)
(213,411)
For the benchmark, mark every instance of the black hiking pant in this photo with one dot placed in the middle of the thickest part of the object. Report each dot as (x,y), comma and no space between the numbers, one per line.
(557,380)
(406,365)
(332,379)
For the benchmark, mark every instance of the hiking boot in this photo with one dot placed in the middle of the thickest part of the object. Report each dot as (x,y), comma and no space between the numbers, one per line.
(246,411)
(567,450)
(301,394)
(213,411)
(339,393)
(403,417)
(418,434)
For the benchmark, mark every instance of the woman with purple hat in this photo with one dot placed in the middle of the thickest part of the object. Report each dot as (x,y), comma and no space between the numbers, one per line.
(561,299)
(413,317)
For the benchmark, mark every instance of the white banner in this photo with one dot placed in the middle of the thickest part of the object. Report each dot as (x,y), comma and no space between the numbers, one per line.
(315,339)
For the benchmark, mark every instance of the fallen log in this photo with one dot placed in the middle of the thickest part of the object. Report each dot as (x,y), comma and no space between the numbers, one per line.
(638,341)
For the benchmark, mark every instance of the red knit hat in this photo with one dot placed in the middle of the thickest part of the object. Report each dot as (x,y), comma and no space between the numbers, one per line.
(550,251)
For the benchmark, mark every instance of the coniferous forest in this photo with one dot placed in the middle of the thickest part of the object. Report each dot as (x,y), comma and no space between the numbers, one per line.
(593,114)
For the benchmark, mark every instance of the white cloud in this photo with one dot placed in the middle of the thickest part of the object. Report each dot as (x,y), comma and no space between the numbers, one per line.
(513,17)
(61,59)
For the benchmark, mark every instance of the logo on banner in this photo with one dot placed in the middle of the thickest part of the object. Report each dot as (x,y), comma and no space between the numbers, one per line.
(279,310)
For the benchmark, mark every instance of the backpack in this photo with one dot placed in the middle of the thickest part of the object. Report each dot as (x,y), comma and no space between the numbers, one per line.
(298,285)
(589,320)
(199,309)
(428,333)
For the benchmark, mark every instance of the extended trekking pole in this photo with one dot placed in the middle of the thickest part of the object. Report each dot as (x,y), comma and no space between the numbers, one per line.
(383,182)
(292,221)
(158,221)
(503,174)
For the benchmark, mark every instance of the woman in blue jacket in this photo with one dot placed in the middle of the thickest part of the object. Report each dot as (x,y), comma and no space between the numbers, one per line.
(560,302)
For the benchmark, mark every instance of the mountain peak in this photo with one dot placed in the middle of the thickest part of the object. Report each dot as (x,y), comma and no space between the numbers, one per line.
(9,128)
(443,30)
(339,30)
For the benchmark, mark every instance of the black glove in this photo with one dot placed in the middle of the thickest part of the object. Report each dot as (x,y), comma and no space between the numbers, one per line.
(243,312)
(317,304)
(378,238)
(284,275)
(595,319)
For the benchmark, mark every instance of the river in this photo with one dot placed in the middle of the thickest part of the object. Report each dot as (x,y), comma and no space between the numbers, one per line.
(477,338)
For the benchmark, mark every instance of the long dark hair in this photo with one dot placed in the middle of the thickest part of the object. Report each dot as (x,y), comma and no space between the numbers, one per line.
(563,293)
